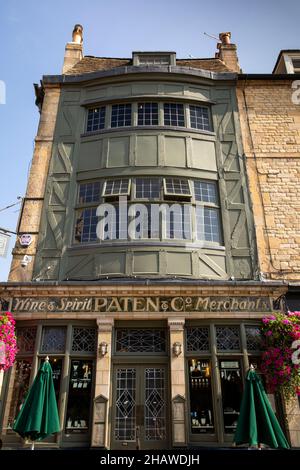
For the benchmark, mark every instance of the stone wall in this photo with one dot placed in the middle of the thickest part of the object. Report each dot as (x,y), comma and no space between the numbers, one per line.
(271,137)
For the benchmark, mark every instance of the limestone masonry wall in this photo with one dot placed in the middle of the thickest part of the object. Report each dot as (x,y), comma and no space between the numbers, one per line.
(271,136)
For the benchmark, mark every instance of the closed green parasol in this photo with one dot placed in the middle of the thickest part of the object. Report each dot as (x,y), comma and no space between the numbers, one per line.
(38,417)
(257,423)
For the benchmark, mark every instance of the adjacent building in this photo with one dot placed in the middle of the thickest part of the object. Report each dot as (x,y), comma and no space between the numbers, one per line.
(147,244)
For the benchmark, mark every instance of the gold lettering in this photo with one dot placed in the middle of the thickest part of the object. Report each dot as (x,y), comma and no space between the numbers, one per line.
(42,306)
(177,304)
(243,305)
(100,303)
(213,305)
(138,304)
(114,305)
(151,305)
(202,303)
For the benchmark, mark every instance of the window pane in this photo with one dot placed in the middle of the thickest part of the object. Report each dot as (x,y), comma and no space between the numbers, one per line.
(96,119)
(79,397)
(147,114)
(177,186)
(133,340)
(178,222)
(54,339)
(205,192)
(201,403)
(197,339)
(232,389)
(20,388)
(254,338)
(199,118)
(120,115)
(208,227)
(89,192)
(84,339)
(26,339)
(86,224)
(228,338)
(174,114)
(116,187)
(147,188)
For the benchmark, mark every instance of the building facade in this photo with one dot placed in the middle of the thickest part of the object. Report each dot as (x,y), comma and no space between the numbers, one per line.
(138,269)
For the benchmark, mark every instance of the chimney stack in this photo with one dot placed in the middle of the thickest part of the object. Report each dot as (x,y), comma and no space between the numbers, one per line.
(73,51)
(227,52)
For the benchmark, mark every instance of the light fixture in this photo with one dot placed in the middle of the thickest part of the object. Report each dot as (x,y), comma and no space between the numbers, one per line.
(177,350)
(103,348)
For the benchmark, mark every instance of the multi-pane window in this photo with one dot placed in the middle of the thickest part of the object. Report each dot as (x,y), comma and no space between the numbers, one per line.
(206,192)
(174,114)
(120,115)
(86,224)
(154,60)
(116,187)
(207,214)
(95,119)
(208,226)
(147,114)
(147,188)
(89,192)
(177,187)
(164,208)
(199,118)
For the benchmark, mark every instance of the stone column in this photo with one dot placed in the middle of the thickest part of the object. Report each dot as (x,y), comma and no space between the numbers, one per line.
(178,386)
(102,401)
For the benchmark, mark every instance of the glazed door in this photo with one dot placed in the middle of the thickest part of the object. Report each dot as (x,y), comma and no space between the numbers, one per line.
(140,407)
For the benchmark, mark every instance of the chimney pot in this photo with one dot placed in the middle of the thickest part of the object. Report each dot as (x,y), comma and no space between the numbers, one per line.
(225,38)
(77,34)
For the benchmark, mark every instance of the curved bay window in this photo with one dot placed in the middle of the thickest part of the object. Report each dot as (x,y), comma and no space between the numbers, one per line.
(148,208)
(218,357)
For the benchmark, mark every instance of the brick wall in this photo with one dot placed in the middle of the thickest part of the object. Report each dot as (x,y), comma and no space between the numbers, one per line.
(271,137)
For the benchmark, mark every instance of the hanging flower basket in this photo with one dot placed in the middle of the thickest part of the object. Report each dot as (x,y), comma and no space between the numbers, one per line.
(279,332)
(8,341)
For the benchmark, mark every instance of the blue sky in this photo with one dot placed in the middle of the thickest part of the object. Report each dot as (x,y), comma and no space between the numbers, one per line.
(34,35)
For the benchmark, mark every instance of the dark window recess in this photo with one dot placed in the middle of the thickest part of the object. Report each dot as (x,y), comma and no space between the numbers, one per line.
(79,397)
(199,118)
(232,389)
(174,114)
(147,114)
(120,115)
(201,403)
(95,119)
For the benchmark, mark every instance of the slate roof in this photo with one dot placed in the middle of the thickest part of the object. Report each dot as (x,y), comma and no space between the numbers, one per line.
(93,64)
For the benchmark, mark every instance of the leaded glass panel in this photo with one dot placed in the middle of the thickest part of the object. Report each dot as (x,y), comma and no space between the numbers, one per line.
(228,338)
(197,339)
(84,339)
(253,338)
(26,339)
(54,339)
(135,340)
(155,404)
(125,420)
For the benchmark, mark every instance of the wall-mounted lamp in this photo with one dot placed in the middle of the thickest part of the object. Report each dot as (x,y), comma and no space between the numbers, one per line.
(177,350)
(103,348)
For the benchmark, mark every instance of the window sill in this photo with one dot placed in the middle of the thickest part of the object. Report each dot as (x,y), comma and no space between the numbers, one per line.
(189,130)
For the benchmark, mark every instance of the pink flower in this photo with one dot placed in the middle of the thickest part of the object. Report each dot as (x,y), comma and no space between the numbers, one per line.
(269,333)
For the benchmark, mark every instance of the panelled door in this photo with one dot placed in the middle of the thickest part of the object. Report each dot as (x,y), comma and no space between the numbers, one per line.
(139,416)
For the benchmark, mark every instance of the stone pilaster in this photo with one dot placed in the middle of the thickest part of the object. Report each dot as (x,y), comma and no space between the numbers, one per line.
(102,402)
(178,386)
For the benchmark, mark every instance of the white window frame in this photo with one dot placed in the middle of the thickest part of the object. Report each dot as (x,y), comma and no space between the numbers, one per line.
(185,195)
(118,193)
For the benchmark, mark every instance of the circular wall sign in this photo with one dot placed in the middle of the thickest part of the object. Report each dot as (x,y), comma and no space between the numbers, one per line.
(25,239)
